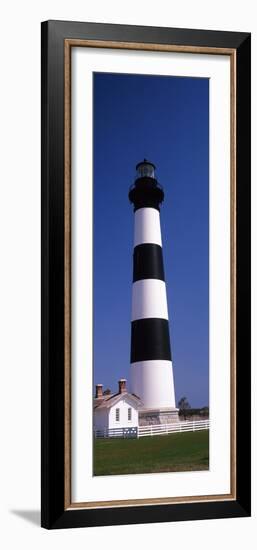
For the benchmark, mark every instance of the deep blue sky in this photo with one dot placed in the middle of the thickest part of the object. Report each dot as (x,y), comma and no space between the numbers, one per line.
(166,120)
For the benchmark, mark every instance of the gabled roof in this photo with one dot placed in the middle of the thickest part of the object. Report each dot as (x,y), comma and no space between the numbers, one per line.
(115,398)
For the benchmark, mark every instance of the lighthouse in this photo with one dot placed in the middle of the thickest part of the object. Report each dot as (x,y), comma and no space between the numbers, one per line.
(150,357)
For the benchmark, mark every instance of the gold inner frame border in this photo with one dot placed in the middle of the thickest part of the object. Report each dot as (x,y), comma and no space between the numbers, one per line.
(68,44)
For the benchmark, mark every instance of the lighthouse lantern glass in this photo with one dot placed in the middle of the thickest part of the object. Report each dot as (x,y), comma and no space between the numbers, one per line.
(145,170)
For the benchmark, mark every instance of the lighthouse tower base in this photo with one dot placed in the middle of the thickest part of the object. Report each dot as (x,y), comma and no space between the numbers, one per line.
(149,417)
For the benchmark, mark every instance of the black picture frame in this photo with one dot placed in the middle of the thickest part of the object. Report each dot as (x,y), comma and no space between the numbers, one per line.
(54,514)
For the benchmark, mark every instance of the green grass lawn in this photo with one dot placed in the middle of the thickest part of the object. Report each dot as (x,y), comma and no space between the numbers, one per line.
(164,453)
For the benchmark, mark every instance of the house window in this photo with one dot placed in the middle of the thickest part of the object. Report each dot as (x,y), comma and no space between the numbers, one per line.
(129,413)
(117,415)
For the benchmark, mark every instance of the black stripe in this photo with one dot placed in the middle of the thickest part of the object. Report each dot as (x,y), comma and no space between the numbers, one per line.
(146,192)
(150,340)
(148,262)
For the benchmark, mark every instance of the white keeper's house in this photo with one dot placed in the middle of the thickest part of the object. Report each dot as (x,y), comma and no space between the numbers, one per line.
(118,410)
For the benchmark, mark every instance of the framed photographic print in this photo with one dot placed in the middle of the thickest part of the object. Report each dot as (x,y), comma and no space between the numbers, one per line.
(145,274)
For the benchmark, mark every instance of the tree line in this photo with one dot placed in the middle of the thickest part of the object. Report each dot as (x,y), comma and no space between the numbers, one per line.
(186,411)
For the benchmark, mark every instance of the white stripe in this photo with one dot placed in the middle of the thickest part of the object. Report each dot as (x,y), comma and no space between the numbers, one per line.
(152,381)
(147,226)
(149,299)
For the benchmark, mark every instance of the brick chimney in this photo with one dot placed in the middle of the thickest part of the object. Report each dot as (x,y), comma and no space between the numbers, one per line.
(99,391)
(122,385)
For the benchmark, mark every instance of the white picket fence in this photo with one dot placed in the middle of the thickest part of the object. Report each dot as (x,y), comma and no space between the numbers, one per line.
(162,429)
(155,429)
(117,432)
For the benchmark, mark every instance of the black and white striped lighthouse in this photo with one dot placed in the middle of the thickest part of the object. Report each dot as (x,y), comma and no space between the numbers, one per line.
(151,363)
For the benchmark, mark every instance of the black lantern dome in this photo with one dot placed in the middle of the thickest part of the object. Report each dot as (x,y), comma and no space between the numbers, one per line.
(145,169)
